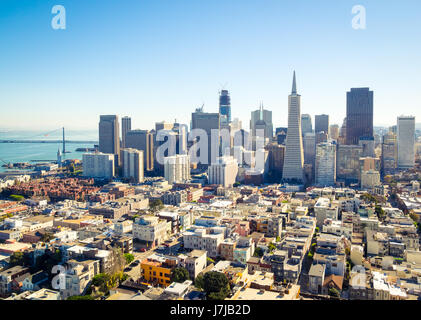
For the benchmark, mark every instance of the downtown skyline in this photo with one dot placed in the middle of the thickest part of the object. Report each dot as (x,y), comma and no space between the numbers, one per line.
(172,65)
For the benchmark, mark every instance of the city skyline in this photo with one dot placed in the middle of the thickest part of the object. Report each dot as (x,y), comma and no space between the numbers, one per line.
(122,68)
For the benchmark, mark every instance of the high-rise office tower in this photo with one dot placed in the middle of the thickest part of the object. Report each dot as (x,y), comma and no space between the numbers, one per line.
(325,170)
(359,115)
(210,123)
(294,153)
(98,165)
(142,140)
(306,124)
(132,160)
(109,136)
(406,142)
(334,132)
(309,145)
(348,163)
(126,126)
(389,156)
(276,159)
(368,145)
(321,123)
(223,171)
(224,108)
(261,119)
(177,168)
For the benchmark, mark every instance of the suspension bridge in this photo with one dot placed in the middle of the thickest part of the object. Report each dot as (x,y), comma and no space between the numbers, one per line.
(34,139)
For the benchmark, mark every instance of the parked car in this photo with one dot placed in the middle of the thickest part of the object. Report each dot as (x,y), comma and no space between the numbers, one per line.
(143,250)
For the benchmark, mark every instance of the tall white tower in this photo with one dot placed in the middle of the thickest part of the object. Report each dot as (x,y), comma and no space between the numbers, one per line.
(294,154)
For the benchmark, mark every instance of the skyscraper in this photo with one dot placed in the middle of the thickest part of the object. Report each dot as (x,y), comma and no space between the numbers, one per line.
(334,132)
(359,115)
(261,119)
(309,145)
(276,160)
(389,156)
(326,164)
(223,171)
(294,153)
(348,163)
(225,107)
(126,126)
(142,140)
(98,165)
(306,124)
(177,168)
(406,142)
(109,136)
(132,160)
(321,123)
(208,122)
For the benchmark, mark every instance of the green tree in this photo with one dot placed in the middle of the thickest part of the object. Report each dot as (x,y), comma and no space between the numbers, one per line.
(47,237)
(271,247)
(209,261)
(179,275)
(379,212)
(16,197)
(199,282)
(216,285)
(333,292)
(102,281)
(129,258)
(156,205)
(17,258)
(258,252)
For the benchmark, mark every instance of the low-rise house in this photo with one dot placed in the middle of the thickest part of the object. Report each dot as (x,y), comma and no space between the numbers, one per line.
(316,278)
(195,262)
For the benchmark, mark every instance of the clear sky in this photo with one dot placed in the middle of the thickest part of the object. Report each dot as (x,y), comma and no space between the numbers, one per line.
(158,60)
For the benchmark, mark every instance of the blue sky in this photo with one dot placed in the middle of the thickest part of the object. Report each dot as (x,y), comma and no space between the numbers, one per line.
(158,60)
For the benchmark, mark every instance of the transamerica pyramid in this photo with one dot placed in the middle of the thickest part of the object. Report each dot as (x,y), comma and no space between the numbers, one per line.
(294,152)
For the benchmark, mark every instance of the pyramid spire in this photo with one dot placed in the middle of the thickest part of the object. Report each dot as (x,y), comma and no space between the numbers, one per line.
(294,85)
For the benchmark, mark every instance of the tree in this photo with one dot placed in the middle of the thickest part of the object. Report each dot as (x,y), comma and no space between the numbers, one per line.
(258,252)
(271,247)
(129,258)
(216,285)
(209,261)
(47,237)
(380,212)
(17,198)
(102,281)
(156,205)
(333,292)
(179,275)
(17,258)
(199,282)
